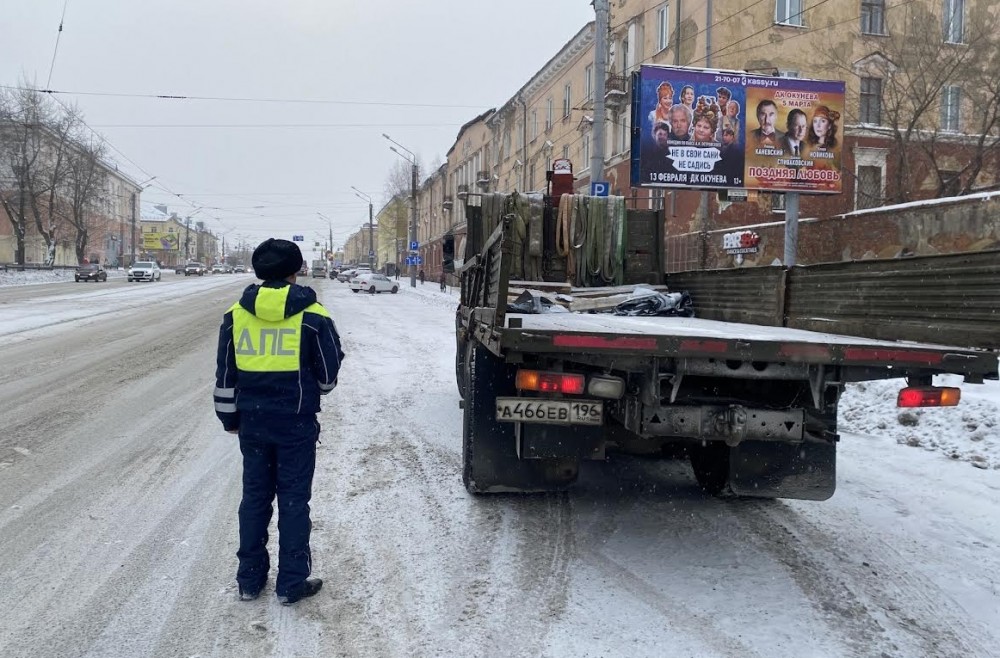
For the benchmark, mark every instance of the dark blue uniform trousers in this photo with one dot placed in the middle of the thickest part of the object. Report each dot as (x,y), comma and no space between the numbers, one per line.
(279,457)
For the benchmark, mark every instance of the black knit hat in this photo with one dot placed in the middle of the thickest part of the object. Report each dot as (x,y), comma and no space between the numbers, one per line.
(274,260)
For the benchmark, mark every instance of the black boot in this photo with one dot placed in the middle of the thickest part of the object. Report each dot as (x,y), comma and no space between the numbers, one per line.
(308,588)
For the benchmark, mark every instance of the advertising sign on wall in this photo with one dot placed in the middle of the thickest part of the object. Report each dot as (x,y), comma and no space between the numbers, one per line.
(704,129)
(160,242)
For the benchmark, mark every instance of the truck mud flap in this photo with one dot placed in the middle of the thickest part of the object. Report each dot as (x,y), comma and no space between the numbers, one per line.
(763,469)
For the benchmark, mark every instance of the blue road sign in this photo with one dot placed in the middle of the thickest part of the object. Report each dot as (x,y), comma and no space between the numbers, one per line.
(600,188)
(414,245)
(298,238)
(371,253)
(419,260)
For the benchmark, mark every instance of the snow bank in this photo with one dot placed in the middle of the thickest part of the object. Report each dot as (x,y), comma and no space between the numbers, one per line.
(969,432)
(35,277)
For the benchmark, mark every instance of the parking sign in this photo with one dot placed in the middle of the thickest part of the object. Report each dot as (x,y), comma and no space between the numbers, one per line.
(600,188)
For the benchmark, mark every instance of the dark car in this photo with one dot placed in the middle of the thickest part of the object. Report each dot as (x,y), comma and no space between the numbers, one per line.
(194,269)
(91,272)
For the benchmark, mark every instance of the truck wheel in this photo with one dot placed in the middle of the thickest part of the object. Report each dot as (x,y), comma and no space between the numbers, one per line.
(710,463)
(489,459)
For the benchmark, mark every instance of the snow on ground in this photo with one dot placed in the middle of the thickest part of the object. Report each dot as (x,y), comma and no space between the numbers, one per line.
(969,432)
(119,486)
(35,277)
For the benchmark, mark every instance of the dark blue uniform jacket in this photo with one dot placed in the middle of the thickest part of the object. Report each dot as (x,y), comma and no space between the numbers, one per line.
(279,351)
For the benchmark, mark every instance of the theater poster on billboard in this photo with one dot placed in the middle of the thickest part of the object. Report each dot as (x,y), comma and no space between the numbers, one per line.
(704,129)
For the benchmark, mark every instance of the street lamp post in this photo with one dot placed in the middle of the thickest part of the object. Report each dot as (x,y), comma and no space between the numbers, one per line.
(371,226)
(329,225)
(412,159)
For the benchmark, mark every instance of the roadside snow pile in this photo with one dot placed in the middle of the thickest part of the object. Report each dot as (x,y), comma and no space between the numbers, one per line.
(33,277)
(969,432)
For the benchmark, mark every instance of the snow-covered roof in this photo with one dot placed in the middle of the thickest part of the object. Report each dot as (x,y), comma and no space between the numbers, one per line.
(149,212)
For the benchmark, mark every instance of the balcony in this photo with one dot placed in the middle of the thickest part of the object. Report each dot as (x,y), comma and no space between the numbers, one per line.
(616,92)
(463,191)
(447,203)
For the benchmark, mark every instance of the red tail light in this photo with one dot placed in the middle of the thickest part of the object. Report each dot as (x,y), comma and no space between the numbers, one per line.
(550,382)
(929,396)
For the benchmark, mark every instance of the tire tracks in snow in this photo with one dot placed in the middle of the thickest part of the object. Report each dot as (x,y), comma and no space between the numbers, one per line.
(881,603)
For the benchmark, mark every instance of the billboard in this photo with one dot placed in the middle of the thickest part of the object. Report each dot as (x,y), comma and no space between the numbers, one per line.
(160,242)
(705,129)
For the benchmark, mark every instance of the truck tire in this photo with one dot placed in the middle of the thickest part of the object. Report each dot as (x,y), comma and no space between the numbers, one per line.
(710,463)
(489,458)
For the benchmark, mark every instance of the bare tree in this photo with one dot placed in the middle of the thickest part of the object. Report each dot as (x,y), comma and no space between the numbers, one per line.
(35,140)
(915,62)
(86,180)
(397,182)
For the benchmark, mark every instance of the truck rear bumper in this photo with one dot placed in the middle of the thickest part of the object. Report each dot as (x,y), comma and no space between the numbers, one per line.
(732,423)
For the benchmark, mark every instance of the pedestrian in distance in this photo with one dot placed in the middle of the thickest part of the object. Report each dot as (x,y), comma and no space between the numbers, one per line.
(443,282)
(421,275)
(279,351)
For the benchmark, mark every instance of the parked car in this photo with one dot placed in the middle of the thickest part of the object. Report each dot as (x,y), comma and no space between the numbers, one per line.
(91,272)
(346,275)
(373,283)
(333,273)
(144,270)
(194,268)
(304,270)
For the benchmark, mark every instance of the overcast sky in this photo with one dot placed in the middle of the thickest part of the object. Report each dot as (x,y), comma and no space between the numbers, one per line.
(384,57)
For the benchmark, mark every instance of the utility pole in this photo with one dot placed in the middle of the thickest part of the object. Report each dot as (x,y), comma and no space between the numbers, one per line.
(371,227)
(413,221)
(133,229)
(600,78)
(703,203)
(414,169)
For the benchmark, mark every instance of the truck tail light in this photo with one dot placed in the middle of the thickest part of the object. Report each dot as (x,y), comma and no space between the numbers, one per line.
(550,382)
(929,396)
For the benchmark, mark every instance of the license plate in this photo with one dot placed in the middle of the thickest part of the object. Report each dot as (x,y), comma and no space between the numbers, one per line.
(553,412)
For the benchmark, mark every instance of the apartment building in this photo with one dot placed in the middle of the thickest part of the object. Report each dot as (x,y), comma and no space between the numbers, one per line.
(906,135)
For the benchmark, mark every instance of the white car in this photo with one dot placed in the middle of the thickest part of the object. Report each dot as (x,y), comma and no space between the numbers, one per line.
(144,270)
(373,283)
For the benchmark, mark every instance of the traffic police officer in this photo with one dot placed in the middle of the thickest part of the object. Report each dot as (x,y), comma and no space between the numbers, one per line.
(278,353)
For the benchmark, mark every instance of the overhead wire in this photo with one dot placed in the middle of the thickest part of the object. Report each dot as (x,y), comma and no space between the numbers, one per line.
(55,51)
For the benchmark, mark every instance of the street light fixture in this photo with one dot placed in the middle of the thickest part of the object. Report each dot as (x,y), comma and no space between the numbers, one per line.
(413,201)
(371,226)
(329,225)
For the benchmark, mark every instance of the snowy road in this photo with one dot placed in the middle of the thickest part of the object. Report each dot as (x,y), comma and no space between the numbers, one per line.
(118,498)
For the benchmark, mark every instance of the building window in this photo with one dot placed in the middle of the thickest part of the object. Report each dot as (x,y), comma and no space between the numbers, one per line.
(586,152)
(954,21)
(656,199)
(519,129)
(951,101)
(788,12)
(534,124)
(873,16)
(777,202)
(506,143)
(871,101)
(869,187)
(662,27)
(787,73)
(623,134)
(567,100)
(531,177)
(565,152)
(548,114)
(589,84)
